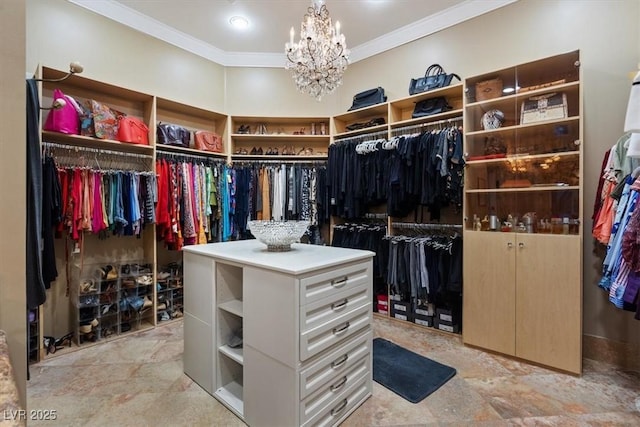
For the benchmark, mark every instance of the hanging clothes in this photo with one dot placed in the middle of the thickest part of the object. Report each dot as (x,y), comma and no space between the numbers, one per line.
(187,208)
(36,293)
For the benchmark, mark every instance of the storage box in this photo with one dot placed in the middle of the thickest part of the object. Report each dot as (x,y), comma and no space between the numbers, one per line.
(454,328)
(423,320)
(551,106)
(382,303)
(401,310)
(488,89)
(447,317)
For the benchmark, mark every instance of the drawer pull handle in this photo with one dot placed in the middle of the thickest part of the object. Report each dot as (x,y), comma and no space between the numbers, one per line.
(338,283)
(337,363)
(339,408)
(337,331)
(339,384)
(339,305)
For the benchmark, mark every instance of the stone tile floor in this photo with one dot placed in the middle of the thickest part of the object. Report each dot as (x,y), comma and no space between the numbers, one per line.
(138,381)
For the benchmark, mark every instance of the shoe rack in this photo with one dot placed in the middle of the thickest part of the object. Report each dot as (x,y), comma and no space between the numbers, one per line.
(169,293)
(111,300)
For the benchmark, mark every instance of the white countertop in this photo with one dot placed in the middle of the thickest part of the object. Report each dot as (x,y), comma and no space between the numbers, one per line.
(302,258)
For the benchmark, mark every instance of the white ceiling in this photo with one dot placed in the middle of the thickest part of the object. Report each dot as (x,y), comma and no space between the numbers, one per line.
(202,26)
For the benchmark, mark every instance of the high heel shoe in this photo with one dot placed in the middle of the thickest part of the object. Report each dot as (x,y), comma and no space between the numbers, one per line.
(65,339)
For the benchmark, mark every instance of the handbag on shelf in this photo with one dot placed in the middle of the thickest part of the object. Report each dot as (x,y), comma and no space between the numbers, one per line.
(207,141)
(133,130)
(362,125)
(428,107)
(170,134)
(368,98)
(434,78)
(65,119)
(105,120)
(488,89)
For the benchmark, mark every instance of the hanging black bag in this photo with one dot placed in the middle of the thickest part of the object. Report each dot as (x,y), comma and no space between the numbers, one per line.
(434,78)
(368,98)
(428,107)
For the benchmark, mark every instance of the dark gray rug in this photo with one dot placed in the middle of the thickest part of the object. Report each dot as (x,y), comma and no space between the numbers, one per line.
(406,373)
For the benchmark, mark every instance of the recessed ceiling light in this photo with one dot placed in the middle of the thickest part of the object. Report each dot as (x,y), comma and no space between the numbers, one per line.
(239,22)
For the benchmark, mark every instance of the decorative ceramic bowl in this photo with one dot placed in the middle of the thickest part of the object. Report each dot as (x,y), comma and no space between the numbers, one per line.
(278,235)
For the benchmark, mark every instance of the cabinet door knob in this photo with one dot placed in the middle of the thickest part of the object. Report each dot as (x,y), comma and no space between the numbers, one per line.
(509,245)
(521,245)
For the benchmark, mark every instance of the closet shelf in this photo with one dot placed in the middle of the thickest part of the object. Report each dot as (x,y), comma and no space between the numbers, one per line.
(279,137)
(233,353)
(452,91)
(89,142)
(506,129)
(565,87)
(233,307)
(427,120)
(525,189)
(523,157)
(185,150)
(276,158)
(363,131)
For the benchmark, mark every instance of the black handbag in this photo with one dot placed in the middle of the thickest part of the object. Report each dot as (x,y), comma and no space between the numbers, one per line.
(367,98)
(430,106)
(169,134)
(434,78)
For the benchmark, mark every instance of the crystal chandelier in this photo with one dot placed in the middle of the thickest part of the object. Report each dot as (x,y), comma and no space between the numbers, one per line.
(319,59)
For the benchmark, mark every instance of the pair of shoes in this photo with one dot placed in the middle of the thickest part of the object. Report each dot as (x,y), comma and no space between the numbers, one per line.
(261,130)
(299,132)
(236,339)
(60,342)
(256,151)
(108,272)
(272,151)
(288,150)
(241,151)
(88,286)
(244,129)
(145,280)
(305,151)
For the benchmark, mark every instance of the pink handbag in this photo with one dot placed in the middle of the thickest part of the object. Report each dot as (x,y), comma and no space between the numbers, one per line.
(65,119)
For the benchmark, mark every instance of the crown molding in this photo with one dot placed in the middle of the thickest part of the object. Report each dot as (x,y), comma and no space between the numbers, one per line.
(424,27)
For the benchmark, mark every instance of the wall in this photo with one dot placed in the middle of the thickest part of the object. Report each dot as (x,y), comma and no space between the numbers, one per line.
(13,170)
(606,32)
(59,32)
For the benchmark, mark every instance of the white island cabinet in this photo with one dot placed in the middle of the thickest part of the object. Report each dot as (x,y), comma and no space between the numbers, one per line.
(305,320)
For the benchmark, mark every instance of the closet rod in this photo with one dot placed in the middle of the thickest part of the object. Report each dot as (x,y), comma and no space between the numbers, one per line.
(367,136)
(94,150)
(292,161)
(427,124)
(419,226)
(185,156)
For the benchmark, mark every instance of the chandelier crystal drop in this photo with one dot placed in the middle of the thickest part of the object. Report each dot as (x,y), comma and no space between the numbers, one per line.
(318,61)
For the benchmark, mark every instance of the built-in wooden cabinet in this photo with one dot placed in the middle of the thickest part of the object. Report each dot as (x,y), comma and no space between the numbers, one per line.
(279,138)
(523,212)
